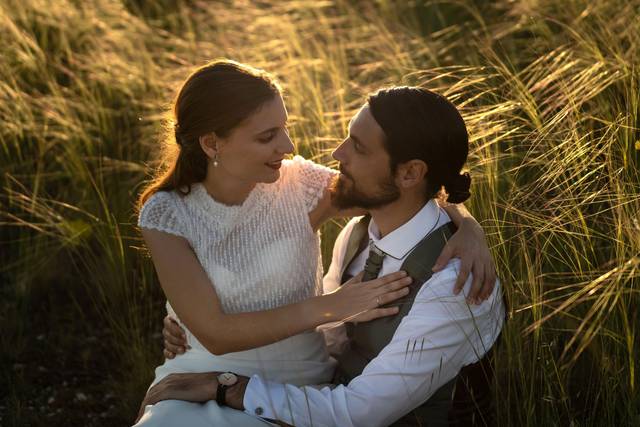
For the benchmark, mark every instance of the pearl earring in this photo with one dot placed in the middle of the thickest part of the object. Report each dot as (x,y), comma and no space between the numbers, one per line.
(215,157)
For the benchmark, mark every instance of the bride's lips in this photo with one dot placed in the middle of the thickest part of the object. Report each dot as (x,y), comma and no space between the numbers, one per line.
(275,165)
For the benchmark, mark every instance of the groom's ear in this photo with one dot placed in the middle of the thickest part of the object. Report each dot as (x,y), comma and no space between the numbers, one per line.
(411,173)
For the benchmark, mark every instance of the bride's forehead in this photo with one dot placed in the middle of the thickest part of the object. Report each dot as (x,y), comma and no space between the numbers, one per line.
(271,112)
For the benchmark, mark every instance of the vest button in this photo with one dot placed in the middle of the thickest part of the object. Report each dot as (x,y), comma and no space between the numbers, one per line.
(259,411)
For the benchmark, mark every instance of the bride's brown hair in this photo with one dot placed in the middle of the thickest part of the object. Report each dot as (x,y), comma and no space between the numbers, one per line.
(216,97)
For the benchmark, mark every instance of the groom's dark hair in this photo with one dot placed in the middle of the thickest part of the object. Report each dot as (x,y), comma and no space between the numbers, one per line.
(421,124)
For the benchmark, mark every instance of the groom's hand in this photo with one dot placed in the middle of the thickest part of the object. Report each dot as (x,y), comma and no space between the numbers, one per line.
(175,340)
(191,387)
(469,244)
(199,387)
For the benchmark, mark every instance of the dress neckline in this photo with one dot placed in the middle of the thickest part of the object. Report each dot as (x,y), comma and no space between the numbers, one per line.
(227,215)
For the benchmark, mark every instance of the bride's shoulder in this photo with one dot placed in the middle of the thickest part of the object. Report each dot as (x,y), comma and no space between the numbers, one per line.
(160,200)
(299,164)
(160,212)
(310,179)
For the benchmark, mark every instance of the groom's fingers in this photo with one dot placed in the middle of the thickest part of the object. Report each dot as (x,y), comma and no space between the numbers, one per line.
(177,349)
(173,333)
(172,326)
(168,354)
(443,259)
(489,283)
(463,274)
(476,286)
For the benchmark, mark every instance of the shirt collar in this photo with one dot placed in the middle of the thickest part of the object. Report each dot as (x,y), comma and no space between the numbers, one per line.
(404,238)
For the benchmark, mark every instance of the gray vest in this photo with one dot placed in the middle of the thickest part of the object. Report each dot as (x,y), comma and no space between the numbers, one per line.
(369,338)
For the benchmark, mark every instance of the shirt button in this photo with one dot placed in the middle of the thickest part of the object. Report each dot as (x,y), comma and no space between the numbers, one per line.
(259,410)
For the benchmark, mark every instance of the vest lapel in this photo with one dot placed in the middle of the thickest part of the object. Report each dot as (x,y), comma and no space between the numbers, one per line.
(358,240)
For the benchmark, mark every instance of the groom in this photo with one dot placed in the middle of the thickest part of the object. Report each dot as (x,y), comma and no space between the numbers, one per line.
(415,142)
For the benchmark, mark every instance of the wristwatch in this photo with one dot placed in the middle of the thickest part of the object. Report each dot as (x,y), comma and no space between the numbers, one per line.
(225,380)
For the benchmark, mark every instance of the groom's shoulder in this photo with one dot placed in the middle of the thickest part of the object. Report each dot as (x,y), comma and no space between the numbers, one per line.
(348,228)
(343,237)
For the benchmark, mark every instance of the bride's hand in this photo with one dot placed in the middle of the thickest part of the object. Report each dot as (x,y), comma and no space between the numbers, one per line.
(358,301)
(175,340)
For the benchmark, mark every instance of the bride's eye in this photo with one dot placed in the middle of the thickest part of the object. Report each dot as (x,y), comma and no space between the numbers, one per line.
(267,137)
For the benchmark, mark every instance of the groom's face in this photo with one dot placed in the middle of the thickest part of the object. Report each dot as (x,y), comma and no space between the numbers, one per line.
(365,180)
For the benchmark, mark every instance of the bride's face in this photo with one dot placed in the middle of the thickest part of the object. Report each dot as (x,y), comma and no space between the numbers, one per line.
(254,150)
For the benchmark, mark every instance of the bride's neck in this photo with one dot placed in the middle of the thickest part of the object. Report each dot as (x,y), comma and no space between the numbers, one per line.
(226,189)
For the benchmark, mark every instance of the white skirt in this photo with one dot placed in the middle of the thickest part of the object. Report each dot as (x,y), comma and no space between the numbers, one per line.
(300,360)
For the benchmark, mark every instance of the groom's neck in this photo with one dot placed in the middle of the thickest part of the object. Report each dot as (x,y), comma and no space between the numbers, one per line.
(397,213)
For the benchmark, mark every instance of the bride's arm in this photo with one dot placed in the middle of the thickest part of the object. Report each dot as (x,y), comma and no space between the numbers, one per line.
(325,210)
(192,296)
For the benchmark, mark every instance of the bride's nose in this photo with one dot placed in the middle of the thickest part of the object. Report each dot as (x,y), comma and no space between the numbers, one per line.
(286,145)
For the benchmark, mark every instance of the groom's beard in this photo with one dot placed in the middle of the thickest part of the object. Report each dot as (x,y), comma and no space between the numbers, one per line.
(345,193)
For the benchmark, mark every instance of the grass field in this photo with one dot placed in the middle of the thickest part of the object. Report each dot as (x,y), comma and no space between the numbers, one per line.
(550,91)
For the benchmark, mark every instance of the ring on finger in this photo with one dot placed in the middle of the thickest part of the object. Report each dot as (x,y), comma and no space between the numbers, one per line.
(378,301)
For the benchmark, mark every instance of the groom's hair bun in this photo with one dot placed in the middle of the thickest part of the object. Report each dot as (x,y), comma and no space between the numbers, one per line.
(421,124)
(457,187)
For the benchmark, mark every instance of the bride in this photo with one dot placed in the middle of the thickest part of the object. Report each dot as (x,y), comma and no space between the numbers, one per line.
(231,225)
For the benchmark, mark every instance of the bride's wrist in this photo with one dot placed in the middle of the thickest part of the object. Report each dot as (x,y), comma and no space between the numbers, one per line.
(323,309)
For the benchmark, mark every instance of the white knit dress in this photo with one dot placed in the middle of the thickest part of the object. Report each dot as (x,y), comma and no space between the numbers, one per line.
(260,255)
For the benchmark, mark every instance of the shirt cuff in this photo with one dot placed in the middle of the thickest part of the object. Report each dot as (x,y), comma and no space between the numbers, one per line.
(261,398)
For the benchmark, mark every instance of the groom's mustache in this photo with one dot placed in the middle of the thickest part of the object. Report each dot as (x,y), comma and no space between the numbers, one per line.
(345,173)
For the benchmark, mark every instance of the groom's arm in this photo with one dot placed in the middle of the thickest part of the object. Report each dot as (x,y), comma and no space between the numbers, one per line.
(439,336)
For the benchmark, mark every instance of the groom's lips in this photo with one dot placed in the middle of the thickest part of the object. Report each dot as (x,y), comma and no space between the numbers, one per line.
(343,173)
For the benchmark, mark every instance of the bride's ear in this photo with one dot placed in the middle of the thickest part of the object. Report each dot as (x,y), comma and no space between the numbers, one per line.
(209,144)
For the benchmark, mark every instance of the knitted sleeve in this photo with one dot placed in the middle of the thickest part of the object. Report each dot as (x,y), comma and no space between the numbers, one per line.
(313,179)
(159,213)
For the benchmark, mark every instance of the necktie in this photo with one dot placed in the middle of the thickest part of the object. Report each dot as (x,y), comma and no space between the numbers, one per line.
(373,264)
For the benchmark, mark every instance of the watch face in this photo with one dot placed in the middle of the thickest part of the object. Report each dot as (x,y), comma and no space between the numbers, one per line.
(227,378)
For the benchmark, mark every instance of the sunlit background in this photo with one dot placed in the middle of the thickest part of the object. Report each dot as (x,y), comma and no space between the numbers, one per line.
(550,90)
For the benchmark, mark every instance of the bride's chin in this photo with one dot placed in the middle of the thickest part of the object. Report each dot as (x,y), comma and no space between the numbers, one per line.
(272,177)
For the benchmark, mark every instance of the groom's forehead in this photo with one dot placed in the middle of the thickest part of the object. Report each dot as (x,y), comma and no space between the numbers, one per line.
(365,128)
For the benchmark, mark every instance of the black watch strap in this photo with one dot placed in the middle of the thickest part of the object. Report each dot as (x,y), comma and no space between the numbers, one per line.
(221,394)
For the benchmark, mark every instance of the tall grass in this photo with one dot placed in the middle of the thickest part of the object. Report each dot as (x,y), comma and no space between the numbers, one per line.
(549,90)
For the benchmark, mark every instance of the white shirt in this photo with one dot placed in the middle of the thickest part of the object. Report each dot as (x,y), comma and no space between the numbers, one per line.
(440,335)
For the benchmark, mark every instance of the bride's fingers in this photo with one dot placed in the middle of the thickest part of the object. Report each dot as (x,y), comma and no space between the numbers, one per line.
(376,313)
(388,278)
(356,279)
(391,296)
(168,354)
(396,284)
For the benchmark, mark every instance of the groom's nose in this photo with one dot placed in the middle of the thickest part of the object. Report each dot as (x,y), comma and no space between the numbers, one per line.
(338,153)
